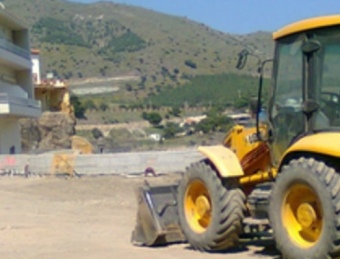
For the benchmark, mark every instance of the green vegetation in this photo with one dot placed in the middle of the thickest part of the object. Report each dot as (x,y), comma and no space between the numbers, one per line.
(129,41)
(89,105)
(79,108)
(214,121)
(170,130)
(153,117)
(103,106)
(54,31)
(96,133)
(190,64)
(175,111)
(209,90)
(213,128)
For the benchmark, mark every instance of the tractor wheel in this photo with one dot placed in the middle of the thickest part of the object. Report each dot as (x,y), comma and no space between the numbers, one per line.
(210,212)
(304,210)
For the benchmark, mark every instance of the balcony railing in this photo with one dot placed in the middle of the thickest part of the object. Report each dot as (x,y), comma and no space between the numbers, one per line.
(26,102)
(6,45)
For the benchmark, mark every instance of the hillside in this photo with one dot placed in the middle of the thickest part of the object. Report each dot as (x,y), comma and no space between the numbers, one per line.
(80,41)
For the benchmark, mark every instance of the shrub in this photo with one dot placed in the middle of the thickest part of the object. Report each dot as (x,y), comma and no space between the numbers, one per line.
(190,63)
(175,111)
(103,107)
(171,129)
(214,122)
(79,109)
(96,133)
(153,118)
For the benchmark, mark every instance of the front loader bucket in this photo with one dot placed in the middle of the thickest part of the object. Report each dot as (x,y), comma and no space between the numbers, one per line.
(157,217)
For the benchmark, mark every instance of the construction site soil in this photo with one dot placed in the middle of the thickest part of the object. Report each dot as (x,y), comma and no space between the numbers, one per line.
(86,217)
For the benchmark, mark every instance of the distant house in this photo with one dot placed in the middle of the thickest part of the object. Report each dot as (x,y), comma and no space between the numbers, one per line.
(52,92)
(155,137)
(192,120)
(240,118)
(16,82)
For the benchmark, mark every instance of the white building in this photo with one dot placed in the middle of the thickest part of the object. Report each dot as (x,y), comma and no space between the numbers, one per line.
(16,82)
(35,58)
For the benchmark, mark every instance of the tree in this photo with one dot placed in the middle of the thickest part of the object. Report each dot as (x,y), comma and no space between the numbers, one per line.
(79,109)
(175,111)
(190,63)
(145,116)
(204,125)
(171,129)
(129,87)
(96,133)
(153,118)
(176,71)
(215,121)
(103,106)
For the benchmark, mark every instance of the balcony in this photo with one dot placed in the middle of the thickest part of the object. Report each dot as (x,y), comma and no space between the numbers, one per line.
(18,106)
(4,44)
(14,56)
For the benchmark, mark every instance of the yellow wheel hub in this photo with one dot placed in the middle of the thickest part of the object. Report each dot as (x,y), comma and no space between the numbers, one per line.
(302,215)
(306,215)
(197,206)
(203,206)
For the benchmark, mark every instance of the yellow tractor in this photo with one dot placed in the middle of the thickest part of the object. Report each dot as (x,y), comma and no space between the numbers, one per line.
(284,171)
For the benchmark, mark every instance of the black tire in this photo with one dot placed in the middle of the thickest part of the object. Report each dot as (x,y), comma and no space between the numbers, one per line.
(226,214)
(306,187)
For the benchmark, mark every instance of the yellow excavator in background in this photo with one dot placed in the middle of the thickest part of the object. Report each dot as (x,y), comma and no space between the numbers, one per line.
(282,173)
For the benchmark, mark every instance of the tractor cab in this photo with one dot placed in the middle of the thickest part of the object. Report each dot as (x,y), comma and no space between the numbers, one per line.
(305,95)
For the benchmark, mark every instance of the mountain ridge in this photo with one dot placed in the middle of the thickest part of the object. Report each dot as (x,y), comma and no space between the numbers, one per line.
(106,39)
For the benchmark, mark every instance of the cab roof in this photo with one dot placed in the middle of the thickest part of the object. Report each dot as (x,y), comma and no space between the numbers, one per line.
(308,24)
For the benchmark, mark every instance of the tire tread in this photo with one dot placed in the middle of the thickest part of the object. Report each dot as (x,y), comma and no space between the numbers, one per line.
(330,179)
(224,232)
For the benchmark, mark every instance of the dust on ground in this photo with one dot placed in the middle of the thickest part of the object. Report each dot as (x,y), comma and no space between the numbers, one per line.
(85,218)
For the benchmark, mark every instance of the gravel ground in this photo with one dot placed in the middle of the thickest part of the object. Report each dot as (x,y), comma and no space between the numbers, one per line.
(87,217)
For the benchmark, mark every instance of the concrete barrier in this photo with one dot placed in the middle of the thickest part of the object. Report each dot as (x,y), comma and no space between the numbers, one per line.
(98,164)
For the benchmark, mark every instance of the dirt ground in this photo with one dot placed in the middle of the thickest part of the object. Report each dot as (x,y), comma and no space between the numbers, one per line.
(86,217)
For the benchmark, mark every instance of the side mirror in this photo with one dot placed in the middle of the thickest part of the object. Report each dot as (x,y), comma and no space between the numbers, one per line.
(310,46)
(242,59)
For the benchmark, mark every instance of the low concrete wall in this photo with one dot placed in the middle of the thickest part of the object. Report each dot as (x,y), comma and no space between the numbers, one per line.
(96,164)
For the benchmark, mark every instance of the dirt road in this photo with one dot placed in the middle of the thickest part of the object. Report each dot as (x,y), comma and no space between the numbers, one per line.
(87,217)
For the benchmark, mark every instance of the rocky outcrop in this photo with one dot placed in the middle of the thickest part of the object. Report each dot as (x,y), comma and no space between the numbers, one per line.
(51,131)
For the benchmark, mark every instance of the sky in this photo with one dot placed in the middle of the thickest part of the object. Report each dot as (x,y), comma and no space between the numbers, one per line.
(239,16)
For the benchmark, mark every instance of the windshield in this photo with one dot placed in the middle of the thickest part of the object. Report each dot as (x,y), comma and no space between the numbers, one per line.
(330,76)
(286,112)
